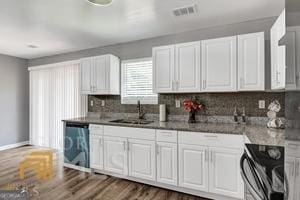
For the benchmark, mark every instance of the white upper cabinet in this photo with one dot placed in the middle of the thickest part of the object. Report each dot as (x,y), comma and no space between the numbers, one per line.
(227,64)
(251,62)
(141,156)
(219,65)
(187,67)
(225,178)
(86,67)
(177,68)
(292,41)
(163,69)
(278,54)
(100,75)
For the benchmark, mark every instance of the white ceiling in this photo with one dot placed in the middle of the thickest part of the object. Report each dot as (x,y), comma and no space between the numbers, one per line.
(60,26)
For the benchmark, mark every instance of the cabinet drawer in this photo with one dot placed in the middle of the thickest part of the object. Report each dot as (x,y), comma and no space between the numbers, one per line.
(135,133)
(211,139)
(166,136)
(96,129)
(292,148)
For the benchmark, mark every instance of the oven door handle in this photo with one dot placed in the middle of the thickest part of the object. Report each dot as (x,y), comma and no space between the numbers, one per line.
(251,189)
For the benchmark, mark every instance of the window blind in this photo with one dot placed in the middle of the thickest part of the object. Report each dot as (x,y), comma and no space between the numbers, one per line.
(137,82)
(54,96)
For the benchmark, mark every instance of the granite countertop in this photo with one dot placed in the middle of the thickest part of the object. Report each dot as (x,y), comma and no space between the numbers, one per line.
(254,133)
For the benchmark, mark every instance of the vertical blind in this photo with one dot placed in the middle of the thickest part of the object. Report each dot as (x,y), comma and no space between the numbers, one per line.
(137,81)
(54,95)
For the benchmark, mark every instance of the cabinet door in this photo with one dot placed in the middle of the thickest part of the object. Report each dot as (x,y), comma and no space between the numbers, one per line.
(101,74)
(141,154)
(291,60)
(163,69)
(251,62)
(278,54)
(225,178)
(115,155)
(86,67)
(219,65)
(297,180)
(187,67)
(96,152)
(167,163)
(290,173)
(193,167)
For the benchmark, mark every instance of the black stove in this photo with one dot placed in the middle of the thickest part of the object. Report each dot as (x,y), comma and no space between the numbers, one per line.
(262,169)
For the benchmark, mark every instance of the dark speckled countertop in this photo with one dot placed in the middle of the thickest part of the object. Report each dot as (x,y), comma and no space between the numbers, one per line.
(255,133)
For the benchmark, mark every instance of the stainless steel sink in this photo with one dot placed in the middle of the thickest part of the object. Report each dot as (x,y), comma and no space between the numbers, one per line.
(131,121)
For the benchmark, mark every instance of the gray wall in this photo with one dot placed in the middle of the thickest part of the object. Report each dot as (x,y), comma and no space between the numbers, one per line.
(14,100)
(143,48)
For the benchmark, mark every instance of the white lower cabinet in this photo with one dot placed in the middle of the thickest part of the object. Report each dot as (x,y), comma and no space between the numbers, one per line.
(290,174)
(224,172)
(167,163)
(96,152)
(292,169)
(297,179)
(115,155)
(197,163)
(193,167)
(141,156)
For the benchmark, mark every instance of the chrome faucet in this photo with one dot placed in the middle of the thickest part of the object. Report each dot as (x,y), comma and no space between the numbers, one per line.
(141,115)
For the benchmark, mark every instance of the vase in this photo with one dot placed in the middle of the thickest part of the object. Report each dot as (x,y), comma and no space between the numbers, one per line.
(192,116)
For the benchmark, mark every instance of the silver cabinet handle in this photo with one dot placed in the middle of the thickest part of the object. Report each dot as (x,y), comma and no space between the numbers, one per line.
(297,168)
(101,141)
(167,134)
(204,84)
(172,85)
(124,145)
(242,82)
(211,156)
(211,136)
(206,155)
(157,149)
(293,169)
(128,146)
(277,77)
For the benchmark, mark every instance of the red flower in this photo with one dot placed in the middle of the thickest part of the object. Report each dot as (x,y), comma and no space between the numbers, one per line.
(190,105)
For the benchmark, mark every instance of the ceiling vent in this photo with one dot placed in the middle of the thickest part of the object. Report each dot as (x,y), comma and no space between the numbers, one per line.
(185,11)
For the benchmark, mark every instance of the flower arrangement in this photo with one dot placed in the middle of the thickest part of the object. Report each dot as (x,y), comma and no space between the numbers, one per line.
(192,106)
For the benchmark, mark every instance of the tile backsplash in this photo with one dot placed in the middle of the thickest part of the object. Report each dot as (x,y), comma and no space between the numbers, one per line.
(217,104)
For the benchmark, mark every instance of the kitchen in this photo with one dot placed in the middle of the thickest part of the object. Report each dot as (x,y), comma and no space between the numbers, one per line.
(188,106)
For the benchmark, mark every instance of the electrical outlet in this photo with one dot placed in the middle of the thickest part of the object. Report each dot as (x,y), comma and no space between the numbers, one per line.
(91,103)
(177,103)
(261,104)
(102,103)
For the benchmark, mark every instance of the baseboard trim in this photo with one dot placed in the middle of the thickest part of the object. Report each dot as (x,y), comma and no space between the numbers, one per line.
(11,146)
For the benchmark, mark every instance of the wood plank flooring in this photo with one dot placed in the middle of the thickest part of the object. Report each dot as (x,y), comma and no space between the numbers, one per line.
(72,184)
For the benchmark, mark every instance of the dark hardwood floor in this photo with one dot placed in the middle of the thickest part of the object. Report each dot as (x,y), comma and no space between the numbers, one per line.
(72,184)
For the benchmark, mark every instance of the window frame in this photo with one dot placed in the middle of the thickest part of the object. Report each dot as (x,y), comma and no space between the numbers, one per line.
(133,100)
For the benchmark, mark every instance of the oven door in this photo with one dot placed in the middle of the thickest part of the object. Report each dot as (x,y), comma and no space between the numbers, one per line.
(252,179)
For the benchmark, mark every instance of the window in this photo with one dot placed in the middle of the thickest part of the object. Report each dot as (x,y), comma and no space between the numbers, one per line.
(137,82)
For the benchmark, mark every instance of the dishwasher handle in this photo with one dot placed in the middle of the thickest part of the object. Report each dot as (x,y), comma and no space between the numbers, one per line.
(77,125)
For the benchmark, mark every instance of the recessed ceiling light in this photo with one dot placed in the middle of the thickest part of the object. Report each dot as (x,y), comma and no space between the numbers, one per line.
(100,2)
(32,46)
